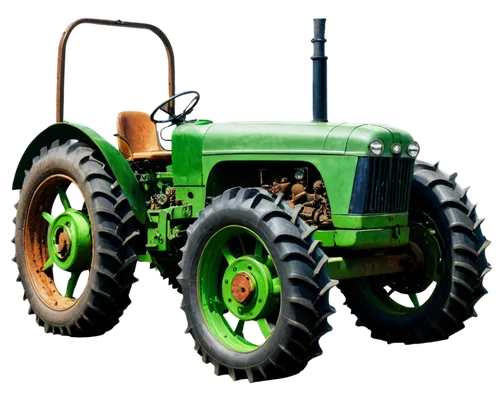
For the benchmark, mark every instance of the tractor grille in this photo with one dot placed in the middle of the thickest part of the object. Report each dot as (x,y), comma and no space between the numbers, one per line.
(382,185)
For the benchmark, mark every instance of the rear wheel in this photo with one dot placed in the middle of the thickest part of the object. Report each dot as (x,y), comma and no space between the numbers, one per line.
(74,233)
(448,266)
(255,290)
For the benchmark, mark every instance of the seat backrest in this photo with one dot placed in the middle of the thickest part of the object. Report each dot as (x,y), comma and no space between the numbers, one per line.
(139,131)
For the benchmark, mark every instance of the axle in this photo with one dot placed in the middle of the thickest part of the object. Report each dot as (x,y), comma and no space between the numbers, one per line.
(357,267)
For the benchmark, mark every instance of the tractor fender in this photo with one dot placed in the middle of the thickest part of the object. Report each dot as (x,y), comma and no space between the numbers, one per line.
(65,131)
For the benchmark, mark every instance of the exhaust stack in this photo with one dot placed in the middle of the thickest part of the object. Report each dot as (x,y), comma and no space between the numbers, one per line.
(320,113)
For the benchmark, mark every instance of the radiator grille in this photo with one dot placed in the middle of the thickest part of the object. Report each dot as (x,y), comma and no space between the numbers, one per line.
(382,185)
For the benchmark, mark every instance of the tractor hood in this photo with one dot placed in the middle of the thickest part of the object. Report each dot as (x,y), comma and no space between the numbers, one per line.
(300,138)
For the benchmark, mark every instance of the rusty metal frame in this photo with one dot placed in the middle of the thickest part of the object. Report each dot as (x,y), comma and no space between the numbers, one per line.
(61,59)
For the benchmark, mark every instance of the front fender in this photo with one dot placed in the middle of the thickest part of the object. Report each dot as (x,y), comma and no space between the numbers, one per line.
(65,131)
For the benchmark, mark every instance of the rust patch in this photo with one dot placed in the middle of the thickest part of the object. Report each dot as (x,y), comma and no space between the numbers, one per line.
(35,243)
(242,287)
(63,243)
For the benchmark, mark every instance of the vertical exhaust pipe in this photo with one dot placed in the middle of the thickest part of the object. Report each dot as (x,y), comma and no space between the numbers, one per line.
(320,112)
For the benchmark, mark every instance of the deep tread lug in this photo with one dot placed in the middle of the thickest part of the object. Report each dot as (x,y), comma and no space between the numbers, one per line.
(295,213)
(321,264)
(313,247)
(249,373)
(451,316)
(131,237)
(109,253)
(187,326)
(111,233)
(483,247)
(307,304)
(464,193)
(305,279)
(459,301)
(463,283)
(288,353)
(328,286)
(325,316)
(105,295)
(478,223)
(310,230)
(462,248)
(262,371)
(105,272)
(452,179)
(300,326)
(127,264)
(468,267)
(485,271)
(215,368)
(471,211)
(54,144)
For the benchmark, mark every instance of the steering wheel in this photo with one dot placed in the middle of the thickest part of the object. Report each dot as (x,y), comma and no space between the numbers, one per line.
(178,118)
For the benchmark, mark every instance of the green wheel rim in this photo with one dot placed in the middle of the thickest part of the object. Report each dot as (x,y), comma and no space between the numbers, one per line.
(237,276)
(426,254)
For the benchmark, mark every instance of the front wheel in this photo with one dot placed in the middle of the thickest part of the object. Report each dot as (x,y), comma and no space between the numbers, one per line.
(255,290)
(432,301)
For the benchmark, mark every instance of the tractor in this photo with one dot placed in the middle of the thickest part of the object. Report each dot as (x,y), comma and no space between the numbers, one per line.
(252,223)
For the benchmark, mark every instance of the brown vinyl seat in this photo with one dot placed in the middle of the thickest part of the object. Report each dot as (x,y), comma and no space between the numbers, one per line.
(138,138)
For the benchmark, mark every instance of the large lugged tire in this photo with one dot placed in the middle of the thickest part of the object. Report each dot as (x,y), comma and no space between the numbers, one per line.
(247,235)
(444,221)
(107,230)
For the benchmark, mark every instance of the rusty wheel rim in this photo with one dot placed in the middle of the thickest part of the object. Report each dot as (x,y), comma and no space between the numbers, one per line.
(37,240)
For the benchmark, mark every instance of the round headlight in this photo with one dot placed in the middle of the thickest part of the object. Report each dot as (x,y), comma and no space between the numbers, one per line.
(396,148)
(413,149)
(299,174)
(376,147)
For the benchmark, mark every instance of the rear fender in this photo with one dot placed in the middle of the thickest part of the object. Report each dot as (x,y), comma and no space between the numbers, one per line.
(65,131)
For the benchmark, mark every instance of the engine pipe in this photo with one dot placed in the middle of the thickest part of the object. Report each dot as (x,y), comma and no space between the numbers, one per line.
(320,112)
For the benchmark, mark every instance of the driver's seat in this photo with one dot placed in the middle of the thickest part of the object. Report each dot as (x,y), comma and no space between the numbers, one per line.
(138,138)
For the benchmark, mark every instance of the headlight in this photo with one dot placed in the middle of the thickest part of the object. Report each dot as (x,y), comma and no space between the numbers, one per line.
(413,149)
(376,147)
(299,174)
(396,148)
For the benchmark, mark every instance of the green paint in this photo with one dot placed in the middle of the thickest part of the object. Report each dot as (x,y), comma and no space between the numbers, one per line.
(162,226)
(76,226)
(365,238)
(187,144)
(333,148)
(369,221)
(156,233)
(193,195)
(337,268)
(261,279)
(72,282)
(372,238)
(327,238)
(145,257)
(215,294)
(65,131)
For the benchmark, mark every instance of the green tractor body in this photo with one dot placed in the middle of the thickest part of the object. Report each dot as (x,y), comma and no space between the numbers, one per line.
(255,219)
(202,150)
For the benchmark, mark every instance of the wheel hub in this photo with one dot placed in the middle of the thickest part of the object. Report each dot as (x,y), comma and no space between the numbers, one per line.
(242,288)
(426,263)
(70,242)
(63,243)
(249,289)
